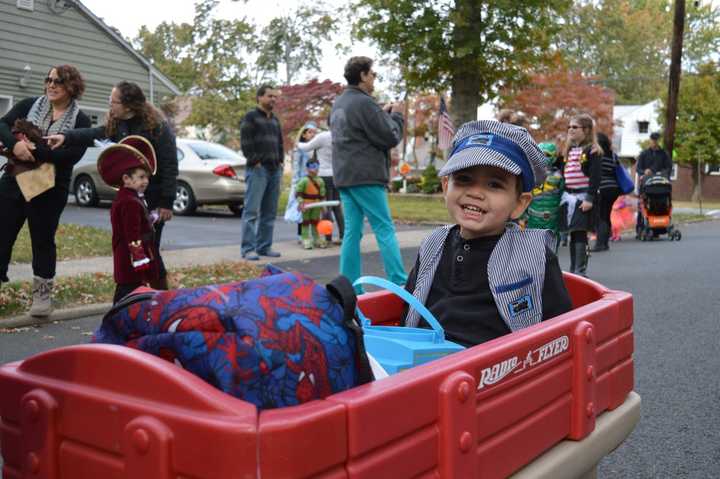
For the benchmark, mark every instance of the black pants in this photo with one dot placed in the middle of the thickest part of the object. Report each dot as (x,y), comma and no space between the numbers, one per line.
(603,228)
(332,194)
(42,214)
(152,196)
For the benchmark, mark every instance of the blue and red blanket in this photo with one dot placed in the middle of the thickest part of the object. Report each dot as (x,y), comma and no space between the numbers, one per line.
(278,340)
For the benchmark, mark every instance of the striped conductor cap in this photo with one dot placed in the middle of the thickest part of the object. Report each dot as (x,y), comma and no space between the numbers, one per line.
(503,145)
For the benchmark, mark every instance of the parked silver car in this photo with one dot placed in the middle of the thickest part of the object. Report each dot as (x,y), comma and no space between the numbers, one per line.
(209,174)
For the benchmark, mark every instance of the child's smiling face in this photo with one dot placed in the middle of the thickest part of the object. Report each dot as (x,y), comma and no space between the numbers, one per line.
(482,199)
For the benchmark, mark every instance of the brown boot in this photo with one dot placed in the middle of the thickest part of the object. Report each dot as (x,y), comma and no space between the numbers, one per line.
(42,297)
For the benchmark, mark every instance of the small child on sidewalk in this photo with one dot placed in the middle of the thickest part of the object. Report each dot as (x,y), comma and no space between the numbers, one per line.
(544,210)
(483,277)
(134,257)
(311,189)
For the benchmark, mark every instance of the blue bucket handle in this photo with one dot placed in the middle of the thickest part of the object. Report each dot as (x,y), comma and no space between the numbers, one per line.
(411,300)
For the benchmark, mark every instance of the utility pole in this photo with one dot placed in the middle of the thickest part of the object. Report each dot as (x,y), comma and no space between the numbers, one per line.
(674,80)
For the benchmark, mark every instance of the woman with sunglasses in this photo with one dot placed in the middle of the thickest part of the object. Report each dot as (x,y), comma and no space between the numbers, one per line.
(131,114)
(54,112)
(582,171)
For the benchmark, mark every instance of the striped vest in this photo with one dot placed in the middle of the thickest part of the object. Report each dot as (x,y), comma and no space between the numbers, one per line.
(516,273)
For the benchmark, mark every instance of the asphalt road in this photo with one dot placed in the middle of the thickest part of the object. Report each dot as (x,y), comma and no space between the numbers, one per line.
(677,326)
(189,231)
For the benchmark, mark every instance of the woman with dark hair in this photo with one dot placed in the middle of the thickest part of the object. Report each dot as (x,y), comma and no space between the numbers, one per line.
(54,112)
(131,114)
(609,191)
(583,157)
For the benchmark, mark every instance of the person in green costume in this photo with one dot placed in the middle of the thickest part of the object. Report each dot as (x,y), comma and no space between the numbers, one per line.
(544,210)
(311,189)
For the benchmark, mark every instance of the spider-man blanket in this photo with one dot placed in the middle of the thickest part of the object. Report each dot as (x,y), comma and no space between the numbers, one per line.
(279,340)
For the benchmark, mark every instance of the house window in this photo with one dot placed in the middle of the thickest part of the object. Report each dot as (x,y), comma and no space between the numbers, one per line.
(643,126)
(97,116)
(26,4)
(5,104)
(712,169)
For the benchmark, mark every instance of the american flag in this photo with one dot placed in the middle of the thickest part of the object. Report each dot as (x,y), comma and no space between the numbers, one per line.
(446,129)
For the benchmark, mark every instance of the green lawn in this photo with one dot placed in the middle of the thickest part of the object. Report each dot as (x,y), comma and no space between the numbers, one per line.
(73,241)
(15,297)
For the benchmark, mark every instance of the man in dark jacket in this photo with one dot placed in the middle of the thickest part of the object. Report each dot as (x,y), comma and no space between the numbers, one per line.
(262,145)
(363,134)
(654,159)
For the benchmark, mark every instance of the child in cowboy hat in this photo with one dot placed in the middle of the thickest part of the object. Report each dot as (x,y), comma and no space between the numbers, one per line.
(128,166)
(483,277)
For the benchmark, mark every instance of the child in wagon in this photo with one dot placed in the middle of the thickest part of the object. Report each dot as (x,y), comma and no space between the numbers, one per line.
(483,277)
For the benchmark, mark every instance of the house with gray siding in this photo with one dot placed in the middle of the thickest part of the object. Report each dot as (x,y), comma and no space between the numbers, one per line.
(37,34)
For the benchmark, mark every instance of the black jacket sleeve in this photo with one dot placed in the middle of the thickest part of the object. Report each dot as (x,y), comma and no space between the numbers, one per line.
(18,111)
(247,141)
(592,168)
(667,164)
(84,136)
(167,166)
(67,156)
(555,297)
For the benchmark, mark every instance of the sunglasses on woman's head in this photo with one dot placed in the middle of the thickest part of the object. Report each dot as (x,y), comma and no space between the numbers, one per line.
(54,81)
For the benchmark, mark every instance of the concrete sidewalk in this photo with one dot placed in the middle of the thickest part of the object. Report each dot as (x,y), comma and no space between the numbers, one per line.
(291,251)
(174,259)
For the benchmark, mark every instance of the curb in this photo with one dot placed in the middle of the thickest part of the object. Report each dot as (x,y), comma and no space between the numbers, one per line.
(58,315)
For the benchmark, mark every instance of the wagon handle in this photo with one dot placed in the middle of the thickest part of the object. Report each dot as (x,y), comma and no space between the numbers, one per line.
(411,300)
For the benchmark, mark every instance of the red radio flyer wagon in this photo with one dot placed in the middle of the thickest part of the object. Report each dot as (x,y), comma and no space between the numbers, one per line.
(548,401)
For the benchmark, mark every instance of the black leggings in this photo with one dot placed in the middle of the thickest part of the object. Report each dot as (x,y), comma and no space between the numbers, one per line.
(42,214)
(607,199)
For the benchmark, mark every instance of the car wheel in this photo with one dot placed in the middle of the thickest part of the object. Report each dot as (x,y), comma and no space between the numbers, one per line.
(85,192)
(184,203)
(236,209)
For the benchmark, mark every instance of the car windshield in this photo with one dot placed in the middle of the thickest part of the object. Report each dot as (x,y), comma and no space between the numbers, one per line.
(213,151)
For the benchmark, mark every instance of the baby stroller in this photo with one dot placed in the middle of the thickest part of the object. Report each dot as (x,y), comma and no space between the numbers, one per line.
(655,216)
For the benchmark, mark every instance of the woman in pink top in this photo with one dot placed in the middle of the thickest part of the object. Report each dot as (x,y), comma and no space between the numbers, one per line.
(582,171)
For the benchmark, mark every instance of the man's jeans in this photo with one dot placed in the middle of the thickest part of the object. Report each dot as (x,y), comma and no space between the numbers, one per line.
(260,209)
(369,201)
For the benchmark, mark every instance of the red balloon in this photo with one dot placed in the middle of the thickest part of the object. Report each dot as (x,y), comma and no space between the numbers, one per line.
(325,227)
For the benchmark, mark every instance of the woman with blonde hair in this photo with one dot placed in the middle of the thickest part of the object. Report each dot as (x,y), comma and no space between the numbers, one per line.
(582,172)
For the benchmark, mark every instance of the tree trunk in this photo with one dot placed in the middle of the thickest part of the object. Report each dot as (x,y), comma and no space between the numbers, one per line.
(465,98)
(465,77)
(696,190)
(674,78)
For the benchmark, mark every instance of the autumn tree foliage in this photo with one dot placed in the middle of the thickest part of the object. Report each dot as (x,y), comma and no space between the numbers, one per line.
(299,104)
(550,99)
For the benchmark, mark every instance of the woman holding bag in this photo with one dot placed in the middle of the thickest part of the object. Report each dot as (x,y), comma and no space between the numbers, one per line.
(54,112)
(609,191)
